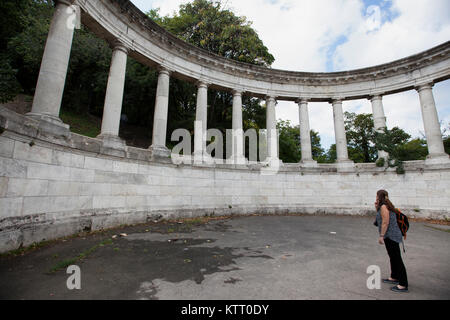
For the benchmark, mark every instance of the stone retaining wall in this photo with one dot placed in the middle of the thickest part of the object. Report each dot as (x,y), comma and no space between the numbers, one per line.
(56,186)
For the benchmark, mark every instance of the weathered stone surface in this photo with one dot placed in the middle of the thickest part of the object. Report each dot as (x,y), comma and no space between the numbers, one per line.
(12,168)
(26,187)
(10,207)
(6,147)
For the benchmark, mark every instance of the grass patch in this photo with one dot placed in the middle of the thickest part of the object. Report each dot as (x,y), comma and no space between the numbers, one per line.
(83,124)
(67,262)
(22,250)
(201,220)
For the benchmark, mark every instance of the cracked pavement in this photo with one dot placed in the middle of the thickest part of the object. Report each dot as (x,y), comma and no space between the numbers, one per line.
(238,258)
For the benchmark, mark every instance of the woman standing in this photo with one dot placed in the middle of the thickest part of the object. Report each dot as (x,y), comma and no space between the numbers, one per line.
(391,237)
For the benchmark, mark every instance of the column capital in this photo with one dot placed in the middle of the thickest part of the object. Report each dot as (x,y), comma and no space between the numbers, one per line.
(237,92)
(376,97)
(119,45)
(336,100)
(424,86)
(202,84)
(301,100)
(271,98)
(164,70)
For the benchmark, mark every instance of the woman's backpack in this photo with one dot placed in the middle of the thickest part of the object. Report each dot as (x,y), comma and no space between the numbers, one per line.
(402,221)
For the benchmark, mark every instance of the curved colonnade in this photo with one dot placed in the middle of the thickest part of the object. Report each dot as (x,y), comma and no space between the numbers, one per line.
(86,183)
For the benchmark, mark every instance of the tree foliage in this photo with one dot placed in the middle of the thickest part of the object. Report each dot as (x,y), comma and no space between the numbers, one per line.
(392,141)
(290,150)
(207,25)
(289,142)
(360,137)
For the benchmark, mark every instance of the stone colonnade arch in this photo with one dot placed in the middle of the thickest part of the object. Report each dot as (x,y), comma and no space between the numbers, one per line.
(130,32)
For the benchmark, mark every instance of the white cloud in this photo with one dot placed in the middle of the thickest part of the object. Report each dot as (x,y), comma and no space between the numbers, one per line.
(373,18)
(308,36)
(299,37)
(419,26)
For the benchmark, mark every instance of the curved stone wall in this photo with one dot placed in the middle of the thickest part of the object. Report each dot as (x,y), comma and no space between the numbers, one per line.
(53,186)
(55,183)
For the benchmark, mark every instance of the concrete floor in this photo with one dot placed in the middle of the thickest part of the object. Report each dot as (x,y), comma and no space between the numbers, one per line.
(241,258)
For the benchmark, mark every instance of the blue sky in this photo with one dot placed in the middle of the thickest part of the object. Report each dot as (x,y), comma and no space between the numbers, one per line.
(336,35)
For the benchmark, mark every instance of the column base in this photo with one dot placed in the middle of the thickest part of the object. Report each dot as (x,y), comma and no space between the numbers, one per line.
(112,145)
(345,166)
(433,159)
(237,160)
(203,158)
(308,164)
(271,166)
(159,151)
(273,162)
(50,124)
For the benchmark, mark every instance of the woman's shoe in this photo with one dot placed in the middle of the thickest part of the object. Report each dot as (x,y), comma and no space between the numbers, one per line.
(390,281)
(397,289)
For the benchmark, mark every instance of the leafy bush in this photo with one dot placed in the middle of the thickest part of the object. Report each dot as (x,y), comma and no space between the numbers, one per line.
(380,162)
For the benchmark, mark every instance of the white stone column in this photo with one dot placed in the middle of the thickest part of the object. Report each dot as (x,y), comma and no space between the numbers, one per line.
(201,120)
(436,151)
(114,98)
(272,133)
(53,71)
(343,161)
(237,143)
(379,119)
(305,133)
(158,146)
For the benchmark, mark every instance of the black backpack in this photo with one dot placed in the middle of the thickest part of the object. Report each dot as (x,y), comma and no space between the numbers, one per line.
(402,221)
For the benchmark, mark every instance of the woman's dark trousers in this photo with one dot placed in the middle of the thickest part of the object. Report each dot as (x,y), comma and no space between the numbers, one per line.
(398,270)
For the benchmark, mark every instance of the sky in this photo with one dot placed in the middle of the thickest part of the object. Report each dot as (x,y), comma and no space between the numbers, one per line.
(338,35)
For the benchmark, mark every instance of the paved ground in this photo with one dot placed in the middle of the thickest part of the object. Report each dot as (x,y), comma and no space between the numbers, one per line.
(256,257)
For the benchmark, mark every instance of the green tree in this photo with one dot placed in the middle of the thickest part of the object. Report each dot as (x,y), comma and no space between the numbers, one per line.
(290,150)
(16,65)
(330,156)
(289,142)
(207,25)
(415,149)
(26,46)
(316,146)
(392,141)
(360,137)
(9,86)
